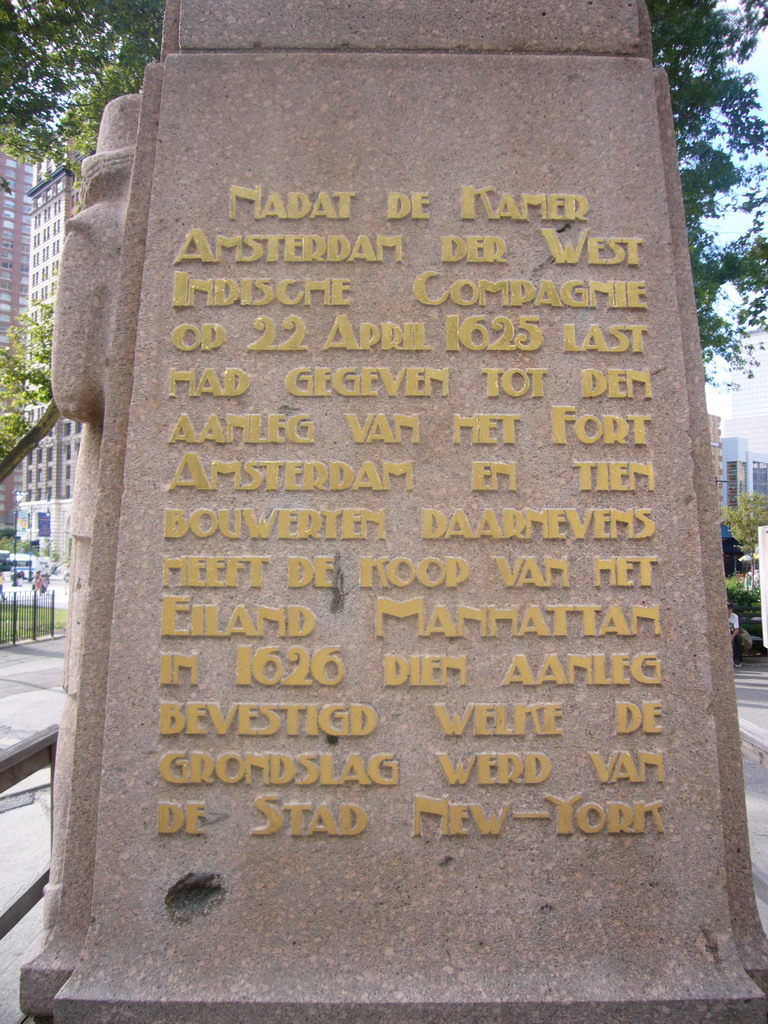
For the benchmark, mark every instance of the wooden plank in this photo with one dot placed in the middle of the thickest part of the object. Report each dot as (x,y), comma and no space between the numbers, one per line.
(760,878)
(21,906)
(754,743)
(25,758)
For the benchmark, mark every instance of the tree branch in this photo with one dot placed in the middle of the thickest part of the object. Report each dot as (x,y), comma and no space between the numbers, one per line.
(31,439)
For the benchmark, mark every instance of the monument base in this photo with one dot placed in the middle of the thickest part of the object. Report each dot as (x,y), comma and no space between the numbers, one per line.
(735,1010)
(39,989)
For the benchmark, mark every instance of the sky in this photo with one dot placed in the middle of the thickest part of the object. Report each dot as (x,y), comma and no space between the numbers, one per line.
(718,400)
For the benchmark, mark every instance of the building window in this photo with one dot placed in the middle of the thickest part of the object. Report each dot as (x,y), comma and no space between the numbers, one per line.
(760,478)
(736,474)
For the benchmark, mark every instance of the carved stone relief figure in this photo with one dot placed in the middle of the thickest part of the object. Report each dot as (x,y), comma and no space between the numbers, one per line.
(84,323)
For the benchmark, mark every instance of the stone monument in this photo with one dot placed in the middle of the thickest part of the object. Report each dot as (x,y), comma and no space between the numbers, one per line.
(388,694)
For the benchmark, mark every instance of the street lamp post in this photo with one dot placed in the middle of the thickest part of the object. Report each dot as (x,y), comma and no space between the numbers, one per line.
(15,536)
(17,496)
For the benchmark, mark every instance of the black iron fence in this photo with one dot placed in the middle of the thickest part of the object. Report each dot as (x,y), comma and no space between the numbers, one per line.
(26,615)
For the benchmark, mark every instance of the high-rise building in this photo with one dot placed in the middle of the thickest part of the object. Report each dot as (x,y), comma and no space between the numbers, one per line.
(52,197)
(716,447)
(749,398)
(14,274)
(48,472)
(14,266)
(745,471)
(47,484)
(745,431)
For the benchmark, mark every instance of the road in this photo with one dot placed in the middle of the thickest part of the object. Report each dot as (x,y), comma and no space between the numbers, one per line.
(59,587)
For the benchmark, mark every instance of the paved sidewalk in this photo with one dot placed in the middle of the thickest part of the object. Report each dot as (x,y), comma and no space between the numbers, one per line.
(752,691)
(752,697)
(30,688)
(30,700)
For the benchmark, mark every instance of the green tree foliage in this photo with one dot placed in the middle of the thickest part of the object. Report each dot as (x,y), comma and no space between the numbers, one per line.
(61,61)
(721,142)
(25,374)
(745,519)
(741,597)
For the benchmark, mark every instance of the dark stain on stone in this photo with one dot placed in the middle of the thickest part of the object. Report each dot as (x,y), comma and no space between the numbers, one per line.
(711,945)
(446,860)
(548,262)
(213,818)
(338,594)
(194,895)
